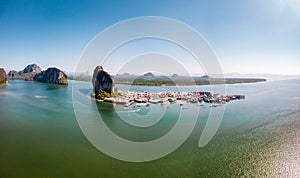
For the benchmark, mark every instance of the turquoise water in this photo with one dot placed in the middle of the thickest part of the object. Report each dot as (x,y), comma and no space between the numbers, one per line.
(259,136)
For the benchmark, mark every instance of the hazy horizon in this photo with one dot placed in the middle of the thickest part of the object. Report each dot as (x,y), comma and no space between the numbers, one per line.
(228,75)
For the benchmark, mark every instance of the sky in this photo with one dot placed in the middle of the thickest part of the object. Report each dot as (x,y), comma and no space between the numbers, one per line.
(249,36)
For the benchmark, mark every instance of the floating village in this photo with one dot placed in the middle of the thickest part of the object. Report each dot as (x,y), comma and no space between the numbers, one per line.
(145,98)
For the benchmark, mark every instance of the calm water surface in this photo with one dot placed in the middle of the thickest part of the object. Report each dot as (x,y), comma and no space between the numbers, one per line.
(259,136)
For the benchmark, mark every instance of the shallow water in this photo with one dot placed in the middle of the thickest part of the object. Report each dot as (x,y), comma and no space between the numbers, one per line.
(258,136)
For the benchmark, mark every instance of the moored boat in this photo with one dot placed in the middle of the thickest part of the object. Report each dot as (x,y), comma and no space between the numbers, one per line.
(171,100)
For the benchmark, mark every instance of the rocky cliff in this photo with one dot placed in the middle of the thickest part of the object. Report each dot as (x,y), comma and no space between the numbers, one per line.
(3,77)
(102,83)
(26,74)
(96,70)
(52,75)
(13,74)
(32,68)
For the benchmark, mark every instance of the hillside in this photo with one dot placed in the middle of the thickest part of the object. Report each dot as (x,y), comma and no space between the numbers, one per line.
(3,77)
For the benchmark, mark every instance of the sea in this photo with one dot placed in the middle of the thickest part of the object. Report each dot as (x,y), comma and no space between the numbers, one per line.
(60,131)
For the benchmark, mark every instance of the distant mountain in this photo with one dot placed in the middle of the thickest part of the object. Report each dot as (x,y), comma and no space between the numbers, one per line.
(13,74)
(26,74)
(205,77)
(175,75)
(149,75)
(78,74)
(124,74)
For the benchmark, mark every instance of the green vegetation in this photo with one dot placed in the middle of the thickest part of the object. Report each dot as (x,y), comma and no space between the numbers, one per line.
(63,80)
(3,77)
(93,95)
(2,84)
(102,95)
(116,92)
(171,81)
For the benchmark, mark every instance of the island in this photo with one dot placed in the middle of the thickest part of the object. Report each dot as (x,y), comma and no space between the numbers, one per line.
(102,83)
(26,74)
(3,77)
(33,72)
(52,75)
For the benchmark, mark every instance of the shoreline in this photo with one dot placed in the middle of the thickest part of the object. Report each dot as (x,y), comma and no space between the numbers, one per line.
(2,84)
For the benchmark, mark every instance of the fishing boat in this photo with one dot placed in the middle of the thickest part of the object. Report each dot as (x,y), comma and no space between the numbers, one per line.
(142,104)
(171,100)
(153,101)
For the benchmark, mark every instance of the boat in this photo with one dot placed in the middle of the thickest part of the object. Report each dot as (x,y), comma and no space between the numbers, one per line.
(138,100)
(171,100)
(215,105)
(128,104)
(142,104)
(130,110)
(153,101)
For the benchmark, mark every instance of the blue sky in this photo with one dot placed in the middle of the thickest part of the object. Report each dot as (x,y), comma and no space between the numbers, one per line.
(250,36)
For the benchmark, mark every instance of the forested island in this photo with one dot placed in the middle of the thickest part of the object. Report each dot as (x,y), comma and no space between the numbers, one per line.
(33,72)
(3,77)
